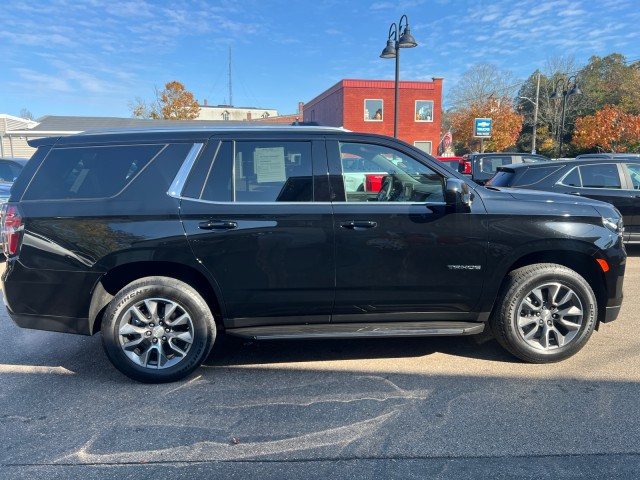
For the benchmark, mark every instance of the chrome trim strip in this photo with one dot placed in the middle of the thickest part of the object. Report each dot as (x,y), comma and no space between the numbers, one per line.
(397,204)
(175,190)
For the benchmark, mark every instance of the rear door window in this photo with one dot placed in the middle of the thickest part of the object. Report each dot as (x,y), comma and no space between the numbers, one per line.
(594,176)
(253,172)
(600,176)
(273,172)
(89,172)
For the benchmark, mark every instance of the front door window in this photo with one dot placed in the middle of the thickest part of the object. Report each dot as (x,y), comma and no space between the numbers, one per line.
(382,174)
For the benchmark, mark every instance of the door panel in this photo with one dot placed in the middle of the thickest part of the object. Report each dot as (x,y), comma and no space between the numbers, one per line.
(401,253)
(271,250)
(275,260)
(416,259)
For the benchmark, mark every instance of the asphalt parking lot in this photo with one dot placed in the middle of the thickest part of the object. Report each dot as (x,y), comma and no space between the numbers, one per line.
(401,408)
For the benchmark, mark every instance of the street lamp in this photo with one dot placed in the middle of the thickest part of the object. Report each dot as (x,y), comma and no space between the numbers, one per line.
(567,90)
(535,114)
(392,50)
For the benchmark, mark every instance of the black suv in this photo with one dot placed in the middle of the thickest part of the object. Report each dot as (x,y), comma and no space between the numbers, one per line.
(161,238)
(613,179)
(484,165)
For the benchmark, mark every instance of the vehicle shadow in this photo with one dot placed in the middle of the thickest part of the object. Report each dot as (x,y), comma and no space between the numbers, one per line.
(233,351)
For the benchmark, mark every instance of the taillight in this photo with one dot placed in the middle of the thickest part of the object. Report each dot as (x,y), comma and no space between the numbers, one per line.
(11,228)
(465,167)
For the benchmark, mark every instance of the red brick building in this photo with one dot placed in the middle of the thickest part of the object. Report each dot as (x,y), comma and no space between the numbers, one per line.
(368,106)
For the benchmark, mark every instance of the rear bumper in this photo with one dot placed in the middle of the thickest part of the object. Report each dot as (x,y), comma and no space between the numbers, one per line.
(53,300)
(79,326)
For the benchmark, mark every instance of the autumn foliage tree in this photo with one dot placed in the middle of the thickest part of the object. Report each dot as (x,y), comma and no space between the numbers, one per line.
(610,129)
(506,123)
(176,103)
(172,103)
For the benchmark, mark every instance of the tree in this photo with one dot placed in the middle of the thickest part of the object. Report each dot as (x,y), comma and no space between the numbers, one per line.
(603,81)
(549,109)
(177,103)
(480,82)
(173,103)
(610,81)
(26,114)
(141,109)
(609,129)
(506,123)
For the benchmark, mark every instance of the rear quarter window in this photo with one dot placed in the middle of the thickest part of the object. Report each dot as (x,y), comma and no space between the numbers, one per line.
(531,176)
(89,172)
(502,179)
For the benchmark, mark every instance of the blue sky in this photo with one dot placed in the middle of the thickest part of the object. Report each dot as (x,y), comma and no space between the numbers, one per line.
(92,57)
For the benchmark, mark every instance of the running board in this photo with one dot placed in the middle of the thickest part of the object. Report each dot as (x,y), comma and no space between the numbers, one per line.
(358,330)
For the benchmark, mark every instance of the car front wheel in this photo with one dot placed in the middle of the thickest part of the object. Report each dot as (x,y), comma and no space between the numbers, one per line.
(546,313)
(158,329)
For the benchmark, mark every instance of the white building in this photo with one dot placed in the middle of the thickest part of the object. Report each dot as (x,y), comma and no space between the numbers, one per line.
(14,146)
(238,114)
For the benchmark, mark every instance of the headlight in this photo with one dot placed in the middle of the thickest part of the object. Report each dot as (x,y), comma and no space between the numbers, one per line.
(613,224)
(611,219)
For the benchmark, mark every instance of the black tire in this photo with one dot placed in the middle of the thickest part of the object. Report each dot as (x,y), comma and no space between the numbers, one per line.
(157,329)
(545,313)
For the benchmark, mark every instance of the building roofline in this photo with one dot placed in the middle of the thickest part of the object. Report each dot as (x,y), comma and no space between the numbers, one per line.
(237,108)
(381,84)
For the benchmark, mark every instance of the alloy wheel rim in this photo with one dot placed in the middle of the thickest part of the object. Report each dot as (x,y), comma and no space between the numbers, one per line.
(550,316)
(156,333)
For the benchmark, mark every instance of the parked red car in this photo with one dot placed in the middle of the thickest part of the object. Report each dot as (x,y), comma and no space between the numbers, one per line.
(457,164)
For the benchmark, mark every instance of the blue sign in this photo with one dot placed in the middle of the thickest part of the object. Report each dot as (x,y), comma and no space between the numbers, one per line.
(482,128)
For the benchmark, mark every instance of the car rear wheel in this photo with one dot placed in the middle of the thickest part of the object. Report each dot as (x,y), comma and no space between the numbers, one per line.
(158,329)
(546,313)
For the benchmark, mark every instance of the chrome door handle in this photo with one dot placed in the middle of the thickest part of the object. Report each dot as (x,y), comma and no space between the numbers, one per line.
(359,225)
(215,225)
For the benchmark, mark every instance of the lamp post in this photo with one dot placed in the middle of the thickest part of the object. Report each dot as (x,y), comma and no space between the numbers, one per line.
(401,39)
(535,114)
(567,89)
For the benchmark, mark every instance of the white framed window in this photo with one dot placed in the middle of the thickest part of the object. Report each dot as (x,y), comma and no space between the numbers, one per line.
(424,110)
(225,115)
(373,110)
(425,146)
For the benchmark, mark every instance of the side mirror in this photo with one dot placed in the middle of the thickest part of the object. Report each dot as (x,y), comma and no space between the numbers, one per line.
(458,195)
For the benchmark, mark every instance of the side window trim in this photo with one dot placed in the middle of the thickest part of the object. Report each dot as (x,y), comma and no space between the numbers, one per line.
(175,190)
(561,181)
(206,178)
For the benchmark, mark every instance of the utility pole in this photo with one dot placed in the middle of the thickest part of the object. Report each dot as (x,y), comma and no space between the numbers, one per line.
(535,116)
(230,92)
